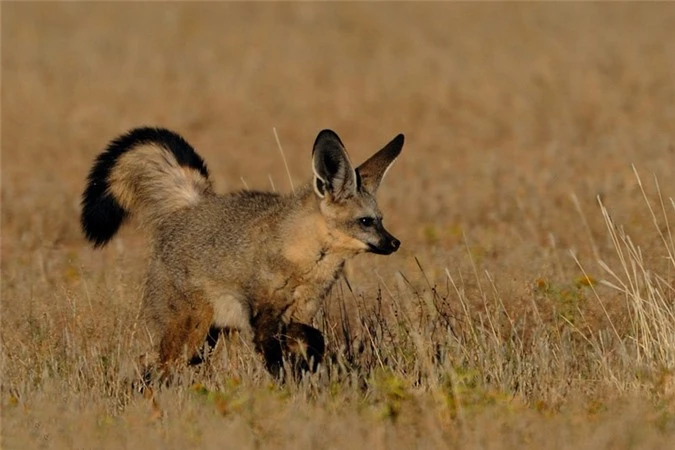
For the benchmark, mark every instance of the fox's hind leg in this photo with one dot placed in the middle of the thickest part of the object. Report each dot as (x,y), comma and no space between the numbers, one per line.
(186,331)
(180,324)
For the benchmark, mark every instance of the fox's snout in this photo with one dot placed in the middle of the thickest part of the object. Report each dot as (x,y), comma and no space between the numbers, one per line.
(387,244)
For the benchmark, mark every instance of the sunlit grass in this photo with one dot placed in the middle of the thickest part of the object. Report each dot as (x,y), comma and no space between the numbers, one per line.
(531,304)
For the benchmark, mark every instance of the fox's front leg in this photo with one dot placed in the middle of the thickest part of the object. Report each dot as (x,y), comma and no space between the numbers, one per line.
(268,331)
(306,346)
(273,338)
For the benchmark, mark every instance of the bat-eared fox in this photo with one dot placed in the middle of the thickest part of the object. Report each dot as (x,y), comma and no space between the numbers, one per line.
(257,262)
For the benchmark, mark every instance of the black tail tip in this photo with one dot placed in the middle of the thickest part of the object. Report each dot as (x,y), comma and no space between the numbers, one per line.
(101,216)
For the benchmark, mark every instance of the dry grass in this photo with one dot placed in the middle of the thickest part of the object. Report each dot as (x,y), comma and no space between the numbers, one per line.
(530,306)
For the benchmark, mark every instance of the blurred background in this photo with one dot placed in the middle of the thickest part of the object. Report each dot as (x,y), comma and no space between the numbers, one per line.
(510,111)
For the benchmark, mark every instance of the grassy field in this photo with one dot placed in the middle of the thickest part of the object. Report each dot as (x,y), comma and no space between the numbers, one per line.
(531,304)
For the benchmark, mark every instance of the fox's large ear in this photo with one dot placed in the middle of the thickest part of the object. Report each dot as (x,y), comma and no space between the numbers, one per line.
(375,168)
(333,172)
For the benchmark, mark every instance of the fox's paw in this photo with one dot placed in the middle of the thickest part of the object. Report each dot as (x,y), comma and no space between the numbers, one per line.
(305,347)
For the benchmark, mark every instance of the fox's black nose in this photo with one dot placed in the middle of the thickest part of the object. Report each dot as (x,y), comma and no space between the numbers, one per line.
(395,244)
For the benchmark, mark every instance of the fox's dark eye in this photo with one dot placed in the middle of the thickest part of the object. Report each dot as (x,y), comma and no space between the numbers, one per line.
(367,221)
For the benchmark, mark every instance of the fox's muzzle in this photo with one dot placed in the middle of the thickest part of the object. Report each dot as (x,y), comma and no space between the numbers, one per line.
(388,244)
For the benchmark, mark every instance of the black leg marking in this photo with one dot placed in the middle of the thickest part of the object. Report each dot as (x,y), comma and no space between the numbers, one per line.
(306,347)
(268,332)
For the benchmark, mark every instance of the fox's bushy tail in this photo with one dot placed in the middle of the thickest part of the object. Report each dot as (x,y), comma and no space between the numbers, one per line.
(147,172)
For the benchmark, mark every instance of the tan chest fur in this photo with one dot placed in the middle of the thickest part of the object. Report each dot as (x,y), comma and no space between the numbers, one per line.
(314,260)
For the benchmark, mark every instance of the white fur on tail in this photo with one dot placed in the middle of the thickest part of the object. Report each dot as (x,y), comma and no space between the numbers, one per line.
(150,183)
